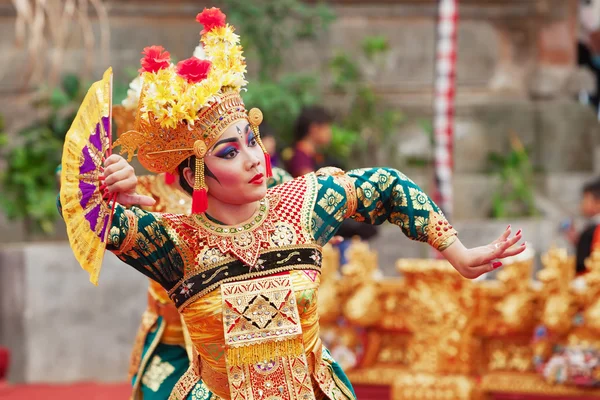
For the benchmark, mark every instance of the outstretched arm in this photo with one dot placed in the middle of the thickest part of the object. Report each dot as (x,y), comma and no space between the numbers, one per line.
(375,195)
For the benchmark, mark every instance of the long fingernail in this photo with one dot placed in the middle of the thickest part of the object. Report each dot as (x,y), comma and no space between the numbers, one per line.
(508,227)
(518,232)
(497,264)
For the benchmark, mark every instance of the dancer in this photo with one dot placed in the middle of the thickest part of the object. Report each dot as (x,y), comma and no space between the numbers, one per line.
(243,268)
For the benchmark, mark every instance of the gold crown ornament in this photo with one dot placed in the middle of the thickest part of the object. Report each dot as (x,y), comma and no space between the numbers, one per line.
(183,109)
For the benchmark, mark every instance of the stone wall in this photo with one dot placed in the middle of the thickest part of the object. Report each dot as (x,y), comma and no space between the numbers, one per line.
(58,326)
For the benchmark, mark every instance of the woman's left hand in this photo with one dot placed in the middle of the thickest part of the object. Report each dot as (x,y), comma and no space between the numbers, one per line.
(474,262)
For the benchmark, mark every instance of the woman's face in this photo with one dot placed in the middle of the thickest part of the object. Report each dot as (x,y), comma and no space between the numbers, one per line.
(237,167)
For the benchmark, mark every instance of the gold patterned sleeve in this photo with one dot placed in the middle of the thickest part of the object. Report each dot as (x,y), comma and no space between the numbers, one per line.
(375,195)
(141,240)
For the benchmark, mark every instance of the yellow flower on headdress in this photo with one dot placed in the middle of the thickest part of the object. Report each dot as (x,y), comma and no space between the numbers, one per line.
(173,96)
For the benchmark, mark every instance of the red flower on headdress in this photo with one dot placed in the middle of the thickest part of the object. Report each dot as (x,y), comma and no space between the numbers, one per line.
(193,69)
(155,58)
(211,18)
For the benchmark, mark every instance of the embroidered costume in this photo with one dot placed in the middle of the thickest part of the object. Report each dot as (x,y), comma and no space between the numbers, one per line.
(162,349)
(248,293)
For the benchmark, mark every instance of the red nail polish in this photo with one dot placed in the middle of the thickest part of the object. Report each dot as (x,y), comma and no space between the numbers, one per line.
(497,264)
(518,232)
(524,243)
(508,227)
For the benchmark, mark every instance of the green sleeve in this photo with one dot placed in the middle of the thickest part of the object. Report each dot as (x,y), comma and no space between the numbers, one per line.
(375,195)
(140,239)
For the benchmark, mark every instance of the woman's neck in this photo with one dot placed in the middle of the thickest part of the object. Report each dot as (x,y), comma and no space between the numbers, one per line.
(230,214)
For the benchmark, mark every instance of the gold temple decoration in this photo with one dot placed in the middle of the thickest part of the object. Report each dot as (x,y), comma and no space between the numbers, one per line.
(431,334)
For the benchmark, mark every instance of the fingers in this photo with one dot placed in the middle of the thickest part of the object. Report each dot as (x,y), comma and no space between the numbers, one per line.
(113,159)
(513,251)
(504,236)
(126,185)
(118,176)
(128,199)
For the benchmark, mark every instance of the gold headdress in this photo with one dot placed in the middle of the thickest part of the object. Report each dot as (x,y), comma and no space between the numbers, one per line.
(184,109)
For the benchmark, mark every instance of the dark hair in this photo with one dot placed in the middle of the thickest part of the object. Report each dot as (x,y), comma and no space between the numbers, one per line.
(190,162)
(266,130)
(592,188)
(309,116)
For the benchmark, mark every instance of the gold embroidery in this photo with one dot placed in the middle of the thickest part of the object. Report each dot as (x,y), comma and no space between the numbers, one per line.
(210,256)
(185,383)
(330,171)
(382,178)
(149,319)
(349,186)
(260,320)
(132,232)
(284,235)
(367,194)
(398,195)
(157,372)
(244,241)
(149,352)
(265,353)
(201,392)
(440,234)
(420,201)
(330,201)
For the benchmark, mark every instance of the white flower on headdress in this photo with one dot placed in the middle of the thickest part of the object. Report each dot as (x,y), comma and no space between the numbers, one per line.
(133,93)
(199,52)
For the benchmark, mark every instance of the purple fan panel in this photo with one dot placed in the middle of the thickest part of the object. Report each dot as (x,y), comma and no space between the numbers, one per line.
(106,125)
(92,217)
(88,163)
(87,191)
(96,139)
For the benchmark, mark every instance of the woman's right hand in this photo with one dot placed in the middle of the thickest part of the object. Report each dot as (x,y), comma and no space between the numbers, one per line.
(119,177)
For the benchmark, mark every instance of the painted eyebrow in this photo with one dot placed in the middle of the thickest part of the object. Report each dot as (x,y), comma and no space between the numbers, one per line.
(230,140)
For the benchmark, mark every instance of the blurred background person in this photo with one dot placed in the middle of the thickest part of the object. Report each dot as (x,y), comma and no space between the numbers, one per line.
(312,133)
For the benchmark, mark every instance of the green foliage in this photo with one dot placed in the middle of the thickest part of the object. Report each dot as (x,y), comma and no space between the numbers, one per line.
(368,125)
(282,100)
(29,182)
(514,195)
(268,29)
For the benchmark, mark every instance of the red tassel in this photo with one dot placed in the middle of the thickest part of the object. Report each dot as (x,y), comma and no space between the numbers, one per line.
(169,178)
(268,165)
(199,201)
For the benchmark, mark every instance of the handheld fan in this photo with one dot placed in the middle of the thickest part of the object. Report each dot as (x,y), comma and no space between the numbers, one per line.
(87,214)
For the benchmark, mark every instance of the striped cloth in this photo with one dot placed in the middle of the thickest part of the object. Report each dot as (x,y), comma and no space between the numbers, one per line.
(445,77)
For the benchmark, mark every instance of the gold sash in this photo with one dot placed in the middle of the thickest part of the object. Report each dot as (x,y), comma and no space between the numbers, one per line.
(263,341)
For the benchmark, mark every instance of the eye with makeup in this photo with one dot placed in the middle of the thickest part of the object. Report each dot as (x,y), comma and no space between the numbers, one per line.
(228,152)
(251,140)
